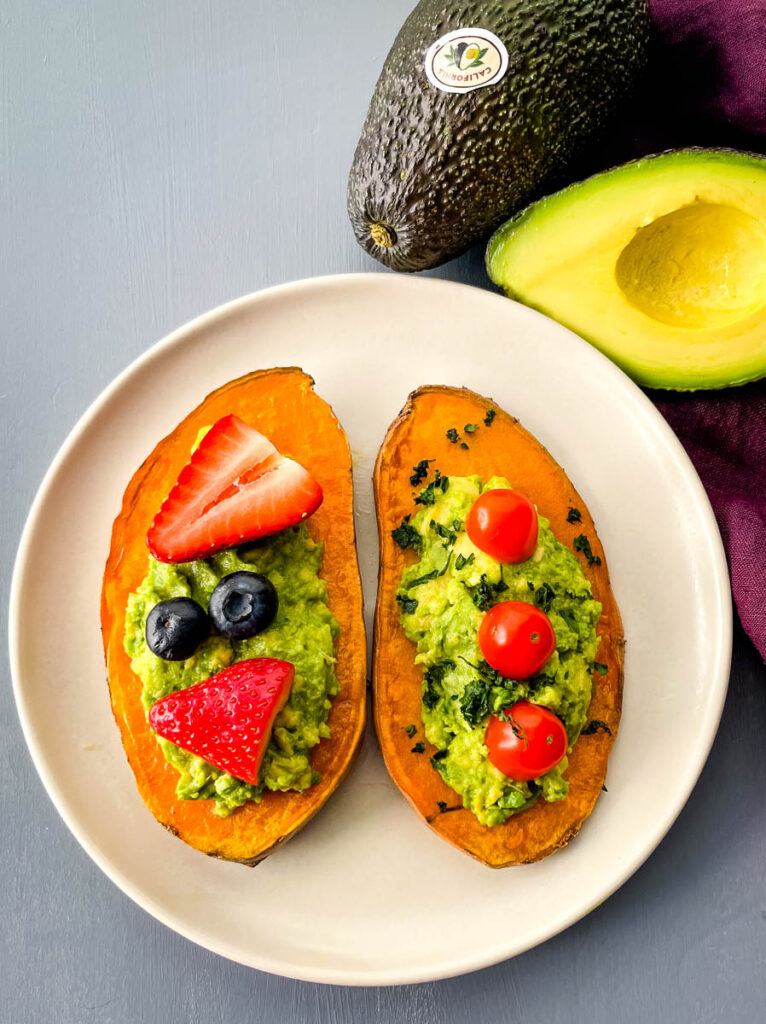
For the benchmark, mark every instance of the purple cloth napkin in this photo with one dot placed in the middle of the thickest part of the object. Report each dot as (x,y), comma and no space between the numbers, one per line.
(718,51)
(725,437)
(707,86)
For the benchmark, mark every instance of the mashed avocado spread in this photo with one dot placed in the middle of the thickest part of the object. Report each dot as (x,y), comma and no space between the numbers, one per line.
(442,599)
(303,633)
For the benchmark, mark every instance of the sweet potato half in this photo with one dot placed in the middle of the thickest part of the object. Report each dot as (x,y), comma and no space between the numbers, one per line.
(505,448)
(281,403)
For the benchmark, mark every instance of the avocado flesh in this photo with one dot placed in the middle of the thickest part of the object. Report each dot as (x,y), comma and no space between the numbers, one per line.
(660,263)
(434,172)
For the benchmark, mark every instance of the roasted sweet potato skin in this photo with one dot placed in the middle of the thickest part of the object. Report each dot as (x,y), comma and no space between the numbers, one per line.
(506,449)
(282,404)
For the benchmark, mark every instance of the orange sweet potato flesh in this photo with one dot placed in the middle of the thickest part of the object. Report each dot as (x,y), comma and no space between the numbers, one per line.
(281,403)
(504,449)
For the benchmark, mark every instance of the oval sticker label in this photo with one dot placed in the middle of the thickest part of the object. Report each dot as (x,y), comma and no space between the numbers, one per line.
(466,59)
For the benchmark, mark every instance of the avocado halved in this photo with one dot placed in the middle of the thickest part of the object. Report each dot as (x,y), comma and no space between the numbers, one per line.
(660,263)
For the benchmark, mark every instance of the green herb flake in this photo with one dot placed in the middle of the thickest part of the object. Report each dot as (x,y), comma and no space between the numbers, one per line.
(600,668)
(461,561)
(419,748)
(425,578)
(471,428)
(574,515)
(491,413)
(437,757)
(595,725)
(501,586)
(442,531)
(581,543)
(568,616)
(518,730)
(420,472)
(432,683)
(428,495)
(410,730)
(482,593)
(407,604)
(405,535)
(544,597)
(474,703)
(464,446)
(452,435)
(442,805)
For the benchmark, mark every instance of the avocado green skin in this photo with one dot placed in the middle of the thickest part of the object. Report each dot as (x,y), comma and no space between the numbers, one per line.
(441,170)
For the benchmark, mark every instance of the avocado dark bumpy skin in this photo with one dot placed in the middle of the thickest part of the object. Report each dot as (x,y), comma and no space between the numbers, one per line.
(435,172)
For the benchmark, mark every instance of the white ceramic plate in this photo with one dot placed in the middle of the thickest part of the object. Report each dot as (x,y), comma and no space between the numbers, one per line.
(366,894)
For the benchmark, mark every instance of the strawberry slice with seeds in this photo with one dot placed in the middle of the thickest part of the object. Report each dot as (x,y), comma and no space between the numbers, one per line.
(227,719)
(235,488)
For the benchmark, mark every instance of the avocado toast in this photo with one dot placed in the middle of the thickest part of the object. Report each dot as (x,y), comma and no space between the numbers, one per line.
(306,658)
(439,674)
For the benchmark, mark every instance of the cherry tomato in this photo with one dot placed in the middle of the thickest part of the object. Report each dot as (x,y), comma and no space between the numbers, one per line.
(529,745)
(516,638)
(503,523)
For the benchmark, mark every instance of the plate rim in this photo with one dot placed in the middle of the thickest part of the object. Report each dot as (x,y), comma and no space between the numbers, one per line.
(576,910)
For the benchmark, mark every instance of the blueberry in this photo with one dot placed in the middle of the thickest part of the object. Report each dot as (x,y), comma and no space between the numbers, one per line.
(243,604)
(175,628)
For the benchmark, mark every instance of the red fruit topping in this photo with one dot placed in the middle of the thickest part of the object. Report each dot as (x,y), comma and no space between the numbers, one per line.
(227,719)
(235,488)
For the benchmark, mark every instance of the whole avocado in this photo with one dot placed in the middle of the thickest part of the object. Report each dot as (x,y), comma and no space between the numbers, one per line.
(435,171)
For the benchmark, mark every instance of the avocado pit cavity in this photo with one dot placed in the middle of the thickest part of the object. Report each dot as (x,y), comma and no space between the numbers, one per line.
(700,266)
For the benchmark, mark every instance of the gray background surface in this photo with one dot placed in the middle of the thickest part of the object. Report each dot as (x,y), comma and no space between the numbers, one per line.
(158,157)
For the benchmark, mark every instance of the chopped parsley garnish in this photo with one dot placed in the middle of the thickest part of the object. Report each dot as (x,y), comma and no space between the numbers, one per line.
(485,670)
(419,748)
(452,435)
(420,472)
(442,805)
(596,725)
(501,585)
(432,682)
(406,536)
(461,561)
(544,596)
(410,730)
(475,701)
(568,617)
(471,428)
(482,594)
(425,578)
(464,446)
(443,531)
(428,495)
(484,591)
(581,543)
(407,604)
(491,413)
(437,757)
(518,730)
(574,515)
(600,668)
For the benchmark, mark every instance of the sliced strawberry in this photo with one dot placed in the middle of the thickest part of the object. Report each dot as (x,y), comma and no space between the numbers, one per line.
(227,719)
(235,488)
